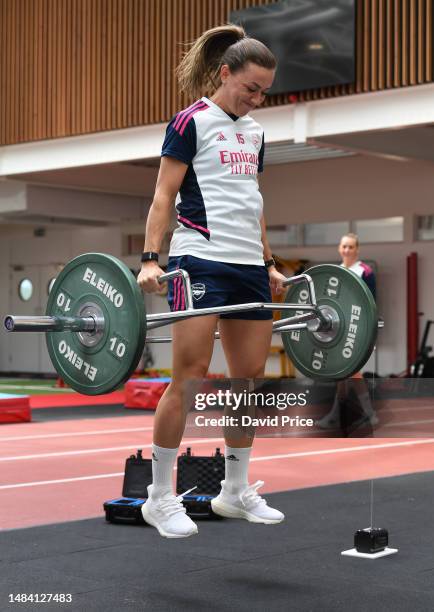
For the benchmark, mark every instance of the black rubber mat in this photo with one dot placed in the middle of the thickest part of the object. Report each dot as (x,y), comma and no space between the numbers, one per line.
(238,566)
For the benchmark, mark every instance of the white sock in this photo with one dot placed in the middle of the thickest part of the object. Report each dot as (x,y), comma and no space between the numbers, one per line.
(163,461)
(237,467)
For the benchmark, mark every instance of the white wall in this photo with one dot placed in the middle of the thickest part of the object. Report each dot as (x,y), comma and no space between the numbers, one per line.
(59,246)
(363,188)
(346,188)
(4,301)
(330,190)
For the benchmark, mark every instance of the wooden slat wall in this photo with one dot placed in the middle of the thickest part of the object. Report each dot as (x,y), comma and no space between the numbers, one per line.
(70,67)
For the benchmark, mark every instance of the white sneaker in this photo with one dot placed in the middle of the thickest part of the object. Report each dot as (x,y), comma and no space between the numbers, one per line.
(246,504)
(168,515)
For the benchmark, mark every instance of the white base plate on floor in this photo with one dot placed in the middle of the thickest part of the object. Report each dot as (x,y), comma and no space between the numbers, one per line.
(353,552)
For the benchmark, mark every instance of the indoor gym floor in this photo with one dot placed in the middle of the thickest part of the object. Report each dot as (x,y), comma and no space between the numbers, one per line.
(57,471)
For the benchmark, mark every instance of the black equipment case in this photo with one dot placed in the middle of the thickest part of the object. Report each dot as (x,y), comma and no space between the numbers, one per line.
(127,509)
(204,473)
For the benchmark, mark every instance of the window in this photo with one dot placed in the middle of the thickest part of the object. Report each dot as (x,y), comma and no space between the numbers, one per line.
(390,229)
(425,227)
(25,289)
(316,234)
(283,235)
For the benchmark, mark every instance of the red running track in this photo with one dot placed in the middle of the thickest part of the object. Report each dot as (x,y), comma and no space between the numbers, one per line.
(64,470)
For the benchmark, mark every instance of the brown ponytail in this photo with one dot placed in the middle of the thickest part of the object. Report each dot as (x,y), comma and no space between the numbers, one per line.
(199,70)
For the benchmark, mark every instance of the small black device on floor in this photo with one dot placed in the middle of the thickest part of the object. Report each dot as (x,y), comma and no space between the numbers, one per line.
(204,473)
(371,540)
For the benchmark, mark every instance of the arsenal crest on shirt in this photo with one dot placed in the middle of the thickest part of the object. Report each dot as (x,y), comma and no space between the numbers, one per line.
(256,139)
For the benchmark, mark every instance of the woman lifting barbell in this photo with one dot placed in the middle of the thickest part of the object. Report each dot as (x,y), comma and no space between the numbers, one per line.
(211,155)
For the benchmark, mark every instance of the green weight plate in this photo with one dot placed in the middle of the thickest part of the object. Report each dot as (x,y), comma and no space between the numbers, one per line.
(342,352)
(94,364)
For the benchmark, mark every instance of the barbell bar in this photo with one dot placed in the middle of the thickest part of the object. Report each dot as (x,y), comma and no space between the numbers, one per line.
(96,322)
(44,324)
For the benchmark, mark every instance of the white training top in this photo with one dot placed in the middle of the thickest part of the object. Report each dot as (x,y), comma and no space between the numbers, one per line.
(219,205)
(366,273)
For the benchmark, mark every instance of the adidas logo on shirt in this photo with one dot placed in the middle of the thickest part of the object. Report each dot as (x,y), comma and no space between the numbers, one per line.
(221,136)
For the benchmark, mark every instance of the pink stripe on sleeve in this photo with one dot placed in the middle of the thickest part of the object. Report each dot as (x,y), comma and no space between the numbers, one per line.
(183,113)
(185,120)
(366,268)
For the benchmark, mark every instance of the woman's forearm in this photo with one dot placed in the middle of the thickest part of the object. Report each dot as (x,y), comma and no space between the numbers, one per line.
(157,223)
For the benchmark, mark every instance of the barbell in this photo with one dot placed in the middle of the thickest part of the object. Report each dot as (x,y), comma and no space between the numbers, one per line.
(96,324)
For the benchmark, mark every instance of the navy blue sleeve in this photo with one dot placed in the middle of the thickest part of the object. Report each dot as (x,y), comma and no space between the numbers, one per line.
(261,156)
(369,278)
(180,140)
